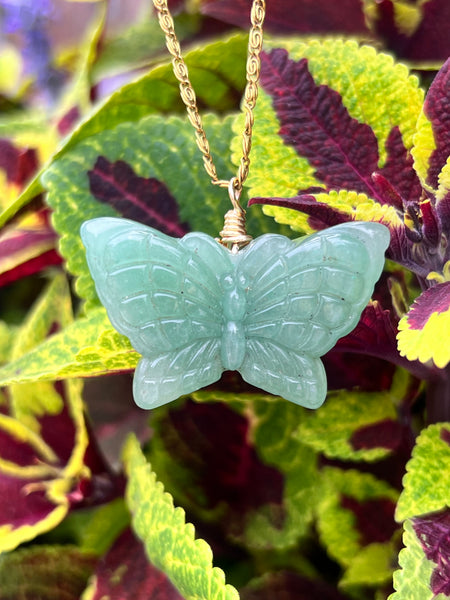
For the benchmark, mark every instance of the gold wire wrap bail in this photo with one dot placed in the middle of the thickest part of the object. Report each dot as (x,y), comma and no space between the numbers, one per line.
(234,234)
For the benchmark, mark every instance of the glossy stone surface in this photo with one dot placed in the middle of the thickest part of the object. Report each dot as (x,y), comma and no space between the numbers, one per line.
(193,309)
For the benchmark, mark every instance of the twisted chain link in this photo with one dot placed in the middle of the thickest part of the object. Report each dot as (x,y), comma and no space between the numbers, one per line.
(188,96)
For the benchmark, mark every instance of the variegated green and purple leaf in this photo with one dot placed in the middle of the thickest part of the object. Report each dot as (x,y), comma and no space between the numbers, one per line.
(48,462)
(424,329)
(424,506)
(342,163)
(356,181)
(45,572)
(212,467)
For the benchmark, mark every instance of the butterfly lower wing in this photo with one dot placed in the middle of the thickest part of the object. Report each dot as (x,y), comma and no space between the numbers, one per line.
(292,375)
(173,374)
(162,293)
(306,294)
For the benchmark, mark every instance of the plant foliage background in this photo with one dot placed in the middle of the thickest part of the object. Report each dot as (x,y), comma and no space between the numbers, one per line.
(228,493)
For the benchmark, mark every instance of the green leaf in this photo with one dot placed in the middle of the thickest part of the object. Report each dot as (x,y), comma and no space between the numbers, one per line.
(134,47)
(444,181)
(45,572)
(330,429)
(52,311)
(412,580)
(337,525)
(356,205)
(425,485)
(169,541)
(274,430)
(424,146)
(374,90)
(372,566)
(7,333)
(217,73)
(95,530)
(87,348)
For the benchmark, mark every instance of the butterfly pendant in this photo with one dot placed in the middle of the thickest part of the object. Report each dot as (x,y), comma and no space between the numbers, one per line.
(194,309)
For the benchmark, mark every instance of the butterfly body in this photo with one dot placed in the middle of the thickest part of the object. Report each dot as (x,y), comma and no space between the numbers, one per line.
(193,308)
(234,305)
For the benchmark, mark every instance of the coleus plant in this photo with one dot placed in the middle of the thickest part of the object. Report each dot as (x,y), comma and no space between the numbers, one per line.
(286,502)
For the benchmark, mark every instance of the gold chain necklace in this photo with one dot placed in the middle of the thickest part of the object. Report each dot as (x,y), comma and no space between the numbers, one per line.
(234,233)
(268,308)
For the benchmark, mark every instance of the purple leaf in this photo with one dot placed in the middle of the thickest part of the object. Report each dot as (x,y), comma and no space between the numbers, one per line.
(384,434)
(399,172)
(436,108)
(315,122)
(347,370)
(286,585)
(68,120)
(321,215)
(27,247)
(374,519)
(211,442)
(433,533)
(141,199)
(395,184)
(300,16)
(125,572)
(18,163)
(429,41)
(376,335)
(113,414)
(445,435)
(23,502)
(30,267)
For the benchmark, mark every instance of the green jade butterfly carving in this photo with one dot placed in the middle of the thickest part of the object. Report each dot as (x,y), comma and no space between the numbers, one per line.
(194,309)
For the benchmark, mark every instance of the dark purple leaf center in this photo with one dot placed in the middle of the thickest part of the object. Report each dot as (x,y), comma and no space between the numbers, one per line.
(141,199)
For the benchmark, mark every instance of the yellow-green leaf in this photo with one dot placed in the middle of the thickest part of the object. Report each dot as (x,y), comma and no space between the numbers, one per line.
(426,483)
(169,541)
(88,347)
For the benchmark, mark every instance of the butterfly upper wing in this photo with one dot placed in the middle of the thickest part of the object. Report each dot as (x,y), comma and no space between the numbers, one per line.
(304,295)
(164,295)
